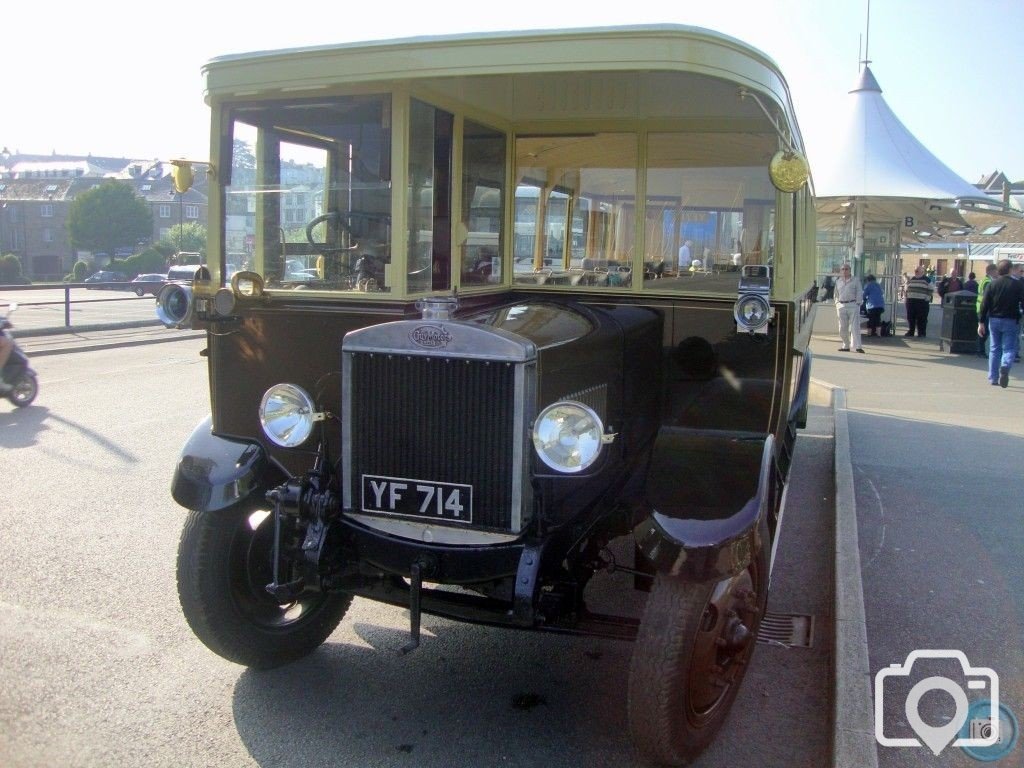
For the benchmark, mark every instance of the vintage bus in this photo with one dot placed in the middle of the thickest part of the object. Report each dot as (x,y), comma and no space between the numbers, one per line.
(491,317)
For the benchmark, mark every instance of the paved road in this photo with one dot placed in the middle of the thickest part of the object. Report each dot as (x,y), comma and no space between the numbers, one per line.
(98,667)
(937,462)
(45,308)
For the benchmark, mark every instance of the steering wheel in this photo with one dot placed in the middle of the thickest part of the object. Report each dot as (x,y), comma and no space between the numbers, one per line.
(339,221)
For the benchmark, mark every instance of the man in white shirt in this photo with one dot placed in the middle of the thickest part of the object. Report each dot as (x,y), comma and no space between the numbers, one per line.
(848,297)
(685,257)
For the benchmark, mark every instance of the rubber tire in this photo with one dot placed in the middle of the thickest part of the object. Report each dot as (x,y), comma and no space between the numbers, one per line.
(209,596)
(24,391)
(140,291)
(658,696)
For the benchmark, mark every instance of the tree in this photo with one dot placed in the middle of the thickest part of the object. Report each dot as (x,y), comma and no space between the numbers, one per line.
(186,237)
(10,270)
(242,155)
(150,260)
(79,272)
(108,217)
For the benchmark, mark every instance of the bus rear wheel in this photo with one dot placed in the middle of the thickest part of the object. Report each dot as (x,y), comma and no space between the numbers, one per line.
(692,650)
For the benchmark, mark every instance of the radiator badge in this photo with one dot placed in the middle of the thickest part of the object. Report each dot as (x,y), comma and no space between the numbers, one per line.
(430,336)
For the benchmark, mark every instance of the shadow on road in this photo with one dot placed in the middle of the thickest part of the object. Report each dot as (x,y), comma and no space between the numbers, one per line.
(20,427)
(468,696)
(95,437)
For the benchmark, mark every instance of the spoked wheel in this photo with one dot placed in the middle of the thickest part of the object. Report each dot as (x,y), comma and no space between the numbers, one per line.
(24,391)
(690,657)
(225,561)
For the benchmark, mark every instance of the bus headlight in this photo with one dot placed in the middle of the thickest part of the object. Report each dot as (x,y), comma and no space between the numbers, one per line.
(174,306)
(287,415)
(752,312)
(568,436)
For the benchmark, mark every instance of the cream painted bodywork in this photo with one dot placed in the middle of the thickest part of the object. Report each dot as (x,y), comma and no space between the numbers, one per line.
(649,79)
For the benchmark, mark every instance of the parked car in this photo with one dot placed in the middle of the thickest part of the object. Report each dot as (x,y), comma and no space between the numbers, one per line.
(105,279)
(183,273)
(150,283)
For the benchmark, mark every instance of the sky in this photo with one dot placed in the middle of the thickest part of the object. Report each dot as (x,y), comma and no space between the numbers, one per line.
(109,79)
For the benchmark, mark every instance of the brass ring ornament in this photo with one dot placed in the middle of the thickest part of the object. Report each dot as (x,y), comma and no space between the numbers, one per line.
(788,170)
(249,284)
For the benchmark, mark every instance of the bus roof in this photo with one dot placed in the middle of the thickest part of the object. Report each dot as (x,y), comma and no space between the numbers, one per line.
(627,49)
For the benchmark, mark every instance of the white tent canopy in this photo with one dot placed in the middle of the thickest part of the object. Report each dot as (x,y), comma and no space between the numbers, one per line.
(877,161)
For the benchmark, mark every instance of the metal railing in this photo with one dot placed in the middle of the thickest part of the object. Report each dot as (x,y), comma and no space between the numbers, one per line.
(68,301)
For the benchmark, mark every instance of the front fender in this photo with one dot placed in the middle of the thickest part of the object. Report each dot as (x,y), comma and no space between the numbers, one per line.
(709,547)
(798,409)
(216,472)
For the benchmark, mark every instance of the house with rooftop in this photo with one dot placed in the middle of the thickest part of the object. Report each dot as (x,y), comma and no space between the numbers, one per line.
(36,192)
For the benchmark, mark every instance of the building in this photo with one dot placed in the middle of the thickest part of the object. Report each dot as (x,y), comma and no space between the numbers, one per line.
(36,192)
(987,237)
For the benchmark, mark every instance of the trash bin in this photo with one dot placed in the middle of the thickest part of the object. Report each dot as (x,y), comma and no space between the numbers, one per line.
(959,322)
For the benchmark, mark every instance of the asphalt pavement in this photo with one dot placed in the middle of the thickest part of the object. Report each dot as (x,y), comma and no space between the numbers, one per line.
(926,455)
(789,686)
(936,459)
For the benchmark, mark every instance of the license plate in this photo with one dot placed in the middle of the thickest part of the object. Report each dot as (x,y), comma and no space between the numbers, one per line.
(450,502)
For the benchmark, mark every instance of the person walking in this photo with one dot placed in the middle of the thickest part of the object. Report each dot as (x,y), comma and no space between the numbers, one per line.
(848,296)
(874,303)
(919,300)
(990,275)
(1001,310)
(971,284)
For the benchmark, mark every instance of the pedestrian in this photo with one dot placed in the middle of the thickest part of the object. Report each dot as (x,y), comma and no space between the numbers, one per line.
(848,297)
(919,300)
(874,303)
(955,283)
(990,275)
(971,284)
(829,284)
(1001,310)
(685,257)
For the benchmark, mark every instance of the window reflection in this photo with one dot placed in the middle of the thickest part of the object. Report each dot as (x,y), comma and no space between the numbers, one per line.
(308,203)
(575,210)
(710,209)
(483,204)
(430,253)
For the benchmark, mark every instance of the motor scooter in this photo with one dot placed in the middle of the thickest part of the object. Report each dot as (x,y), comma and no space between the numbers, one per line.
(19,383)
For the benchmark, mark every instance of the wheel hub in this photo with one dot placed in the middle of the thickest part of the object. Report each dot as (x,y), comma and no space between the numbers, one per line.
(722,644)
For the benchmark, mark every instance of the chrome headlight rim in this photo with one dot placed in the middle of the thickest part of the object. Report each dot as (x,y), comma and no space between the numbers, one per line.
(743,320)
(590,450)
(175,306)
(287,414)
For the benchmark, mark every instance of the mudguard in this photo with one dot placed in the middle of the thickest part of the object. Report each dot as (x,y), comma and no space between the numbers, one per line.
(798,410)
(709,546)
(216,472)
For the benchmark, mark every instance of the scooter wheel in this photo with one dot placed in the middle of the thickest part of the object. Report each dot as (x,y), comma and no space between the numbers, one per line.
(24,391)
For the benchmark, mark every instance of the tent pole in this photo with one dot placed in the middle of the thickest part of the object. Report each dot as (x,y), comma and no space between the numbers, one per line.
(858,239)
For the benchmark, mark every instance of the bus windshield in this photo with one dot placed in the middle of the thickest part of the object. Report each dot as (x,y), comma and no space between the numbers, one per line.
(309,198)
